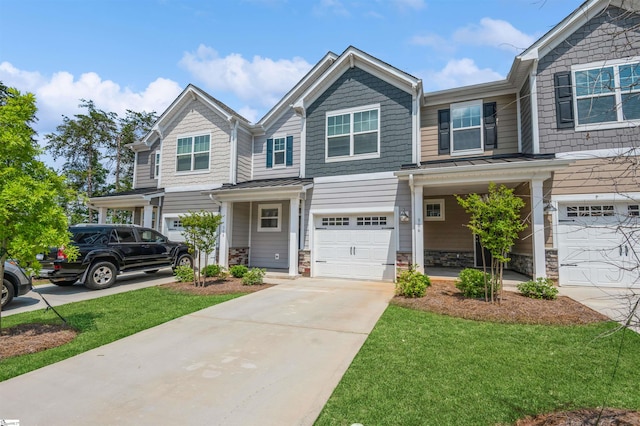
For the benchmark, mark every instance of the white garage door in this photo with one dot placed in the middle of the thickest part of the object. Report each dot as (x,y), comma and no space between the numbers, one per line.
(355,246)
(598,244)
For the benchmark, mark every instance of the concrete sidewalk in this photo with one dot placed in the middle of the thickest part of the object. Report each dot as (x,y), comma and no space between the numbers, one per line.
(269,358)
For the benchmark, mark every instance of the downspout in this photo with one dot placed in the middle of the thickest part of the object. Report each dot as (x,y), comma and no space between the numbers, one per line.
(233,167)
(413,225)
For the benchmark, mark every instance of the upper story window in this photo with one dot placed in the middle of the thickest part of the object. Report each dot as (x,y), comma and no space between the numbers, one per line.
(156,168)
(353,133)
(192,153)
(467,128)
(280,152)
(600,95)
(279,149)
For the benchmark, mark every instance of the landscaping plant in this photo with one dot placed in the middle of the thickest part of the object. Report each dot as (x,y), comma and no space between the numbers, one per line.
(541,288)
(412,283)
(238,271)
(254,276)
(200,233)
(212,271)
(184,274)
(472,283)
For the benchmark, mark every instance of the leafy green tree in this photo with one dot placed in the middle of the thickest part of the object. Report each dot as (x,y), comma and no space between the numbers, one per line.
(81,142)
(495,220)
(31,194)
(201,233)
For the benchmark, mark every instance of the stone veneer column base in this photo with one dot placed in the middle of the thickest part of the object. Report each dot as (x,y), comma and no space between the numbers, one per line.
(403,261)
(239,256)
(448,259)
(552,264)
(304,263)
(521,263)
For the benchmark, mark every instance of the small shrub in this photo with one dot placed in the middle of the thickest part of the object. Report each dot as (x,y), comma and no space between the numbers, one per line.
(471,283)
(212,271)
(184,274)
(254,276)
(412,283)
(542,288)
(238,271)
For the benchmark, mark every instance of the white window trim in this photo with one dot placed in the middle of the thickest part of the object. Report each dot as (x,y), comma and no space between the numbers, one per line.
(351,155)
(273,154)
(269,206)
(620,123)
(477,102)
(156,171)
(192,171)
(439,201)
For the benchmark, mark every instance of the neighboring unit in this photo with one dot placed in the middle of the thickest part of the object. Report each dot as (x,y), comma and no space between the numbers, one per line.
(354,172)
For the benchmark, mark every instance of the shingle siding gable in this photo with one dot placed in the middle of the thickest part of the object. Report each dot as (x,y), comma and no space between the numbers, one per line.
(357,88)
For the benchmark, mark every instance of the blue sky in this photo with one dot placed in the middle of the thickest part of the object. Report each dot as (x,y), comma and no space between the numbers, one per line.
(140,54)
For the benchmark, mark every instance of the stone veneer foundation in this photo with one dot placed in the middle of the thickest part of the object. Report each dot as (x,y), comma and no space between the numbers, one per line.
(239,256)
(304,263)
(448,259)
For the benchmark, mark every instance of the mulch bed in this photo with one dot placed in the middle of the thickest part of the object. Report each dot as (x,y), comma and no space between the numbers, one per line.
(584,417)
(31,338)
(444,298)
(229,285)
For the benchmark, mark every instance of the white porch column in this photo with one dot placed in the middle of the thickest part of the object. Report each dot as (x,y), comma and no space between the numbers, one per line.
(294,206)
(537,225)
(147,216)
(102,214)
(223,255)
(418,227)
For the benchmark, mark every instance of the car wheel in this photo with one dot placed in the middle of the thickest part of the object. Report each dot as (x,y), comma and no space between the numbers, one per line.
(151,272)
(7,292)
(65,283)
(101,275)
(184,260)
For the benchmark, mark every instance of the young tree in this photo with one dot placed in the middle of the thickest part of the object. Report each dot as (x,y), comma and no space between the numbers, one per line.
(201,233)
(80,141)
(31,195)
(495,220)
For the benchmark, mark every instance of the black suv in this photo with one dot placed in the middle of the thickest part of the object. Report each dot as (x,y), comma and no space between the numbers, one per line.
(108,250)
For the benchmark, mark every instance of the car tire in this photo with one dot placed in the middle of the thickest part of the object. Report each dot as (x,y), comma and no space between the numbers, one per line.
(101,275)
(65,283)
(151,272)
(184,260)
(7,292)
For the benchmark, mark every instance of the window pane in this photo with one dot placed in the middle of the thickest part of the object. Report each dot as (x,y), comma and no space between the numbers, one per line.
(201,161)
(594,82)
(466,116)
(201,144)
(466,139)
(365,143)
(365,121)
(269,223)
(631,106)
(596,110)
(184,163)
(278,157)
(338,125)
(278,144)
(338,146)
(630,77)
(269,213)
(184,146)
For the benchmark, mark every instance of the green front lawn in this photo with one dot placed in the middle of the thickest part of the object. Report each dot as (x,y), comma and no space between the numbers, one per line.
(104,320)
(420,368)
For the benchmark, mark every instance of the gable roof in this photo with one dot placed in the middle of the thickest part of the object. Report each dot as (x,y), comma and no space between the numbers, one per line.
(191,92)
(350,58)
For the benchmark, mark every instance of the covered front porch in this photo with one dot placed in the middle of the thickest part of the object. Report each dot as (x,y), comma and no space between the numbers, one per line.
(138,206)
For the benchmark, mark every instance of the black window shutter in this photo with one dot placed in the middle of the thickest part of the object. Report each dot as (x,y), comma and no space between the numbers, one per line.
(564,100)
(289,150)
(152,163)
(443,131)
(269,153)
(489,111)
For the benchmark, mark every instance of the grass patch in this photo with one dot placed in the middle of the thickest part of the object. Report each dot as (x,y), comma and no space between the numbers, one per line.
(104,320)
(424,368)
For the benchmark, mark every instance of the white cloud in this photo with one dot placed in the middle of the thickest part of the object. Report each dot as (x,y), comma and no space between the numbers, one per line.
(60,94)
(330,7)
(433,41)
(249,113)
(457,73)
(261,81)
(410,4)
(495,33)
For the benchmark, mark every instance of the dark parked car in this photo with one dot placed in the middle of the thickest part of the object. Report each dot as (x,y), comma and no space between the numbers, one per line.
(15,282)
(108,250)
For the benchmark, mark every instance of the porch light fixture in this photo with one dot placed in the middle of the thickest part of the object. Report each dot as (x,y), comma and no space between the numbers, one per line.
(404,216)
(549,208)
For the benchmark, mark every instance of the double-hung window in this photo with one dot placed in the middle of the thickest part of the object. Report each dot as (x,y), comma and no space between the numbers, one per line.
(156,167)
(269,217)
(606,93)
(279,150)
(192,153)
(353,133)
(466,128)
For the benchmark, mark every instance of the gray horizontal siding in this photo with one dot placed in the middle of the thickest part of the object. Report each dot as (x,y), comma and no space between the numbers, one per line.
(240,231)
(264,245)
(356,88)
(143,168)
(245,141)
(525,118)
(287,125)
(182,202)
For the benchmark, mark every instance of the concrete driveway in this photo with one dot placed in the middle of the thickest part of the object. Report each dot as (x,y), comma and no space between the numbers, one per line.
(57,295)
(268,358)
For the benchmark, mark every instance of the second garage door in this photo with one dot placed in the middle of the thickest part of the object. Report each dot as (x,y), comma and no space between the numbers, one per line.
(355,246)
